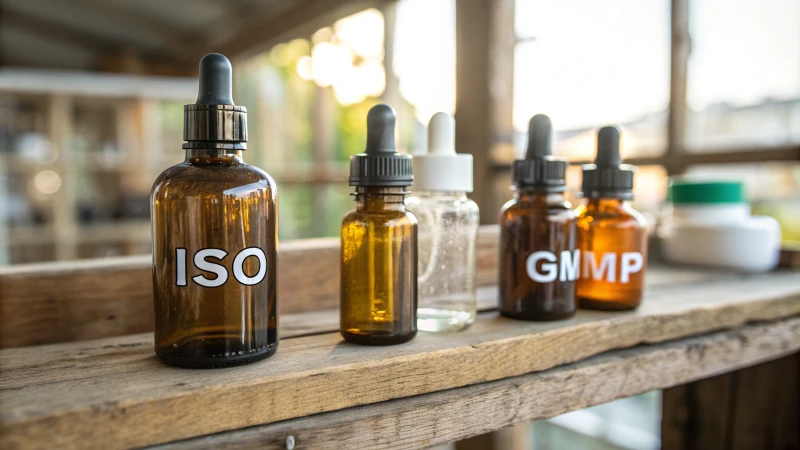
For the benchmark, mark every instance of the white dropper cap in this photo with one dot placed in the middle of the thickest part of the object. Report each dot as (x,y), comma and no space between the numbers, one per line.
(441,168)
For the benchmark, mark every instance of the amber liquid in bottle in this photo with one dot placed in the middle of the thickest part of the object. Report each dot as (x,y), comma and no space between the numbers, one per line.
(213,200)
(379,269)
(612,238)
(536,221)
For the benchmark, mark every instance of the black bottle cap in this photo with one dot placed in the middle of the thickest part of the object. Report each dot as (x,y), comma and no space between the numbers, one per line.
(380,164)
(608,177)
(214,121)
(540,168)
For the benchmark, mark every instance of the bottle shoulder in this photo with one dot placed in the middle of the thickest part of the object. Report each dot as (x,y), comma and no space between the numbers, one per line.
(515,210)
(610,214)
(389,218)
(208,179)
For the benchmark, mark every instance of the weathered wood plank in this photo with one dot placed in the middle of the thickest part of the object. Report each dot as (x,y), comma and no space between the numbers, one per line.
(82,392)
(443,417)
(756,407)
(79,300)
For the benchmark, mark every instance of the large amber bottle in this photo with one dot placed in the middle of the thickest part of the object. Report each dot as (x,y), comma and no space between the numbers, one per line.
(379,242)
(612,236)
(214,239)
(538,264)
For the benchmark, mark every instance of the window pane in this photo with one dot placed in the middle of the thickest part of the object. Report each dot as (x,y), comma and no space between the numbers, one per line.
(579,64)
(744,74)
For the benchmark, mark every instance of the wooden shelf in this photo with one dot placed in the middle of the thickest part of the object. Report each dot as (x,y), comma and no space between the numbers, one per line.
(115,392)
(60,390)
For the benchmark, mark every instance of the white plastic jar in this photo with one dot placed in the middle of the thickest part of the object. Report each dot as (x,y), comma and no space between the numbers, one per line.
(709,223)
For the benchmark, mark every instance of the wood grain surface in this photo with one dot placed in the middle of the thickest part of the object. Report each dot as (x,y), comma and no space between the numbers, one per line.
(89,299)
(114,391)
(443,417)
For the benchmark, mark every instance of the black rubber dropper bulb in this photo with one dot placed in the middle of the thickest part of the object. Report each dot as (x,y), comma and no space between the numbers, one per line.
(540,169)
(215,81)
(608,147)
(540,137)
(380,130)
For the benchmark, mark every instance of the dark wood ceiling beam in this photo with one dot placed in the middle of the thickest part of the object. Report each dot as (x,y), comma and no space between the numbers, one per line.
(57,32)
(179,46)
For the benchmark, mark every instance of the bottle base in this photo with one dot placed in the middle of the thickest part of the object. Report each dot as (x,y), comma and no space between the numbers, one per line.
(212,355)
(441,320)
(605,305)
(365,337)
(537,316)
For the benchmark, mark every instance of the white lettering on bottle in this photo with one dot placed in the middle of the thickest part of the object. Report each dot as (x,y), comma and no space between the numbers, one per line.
(608,266)
(570,266)
(632,262)
(206,266)
(545,267)
(629,263)
(238,266)
(201,262)
(550,268)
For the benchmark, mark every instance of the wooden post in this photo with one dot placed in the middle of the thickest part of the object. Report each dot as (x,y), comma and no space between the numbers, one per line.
(473,96)
(676,122)
(757,407)
(65,228)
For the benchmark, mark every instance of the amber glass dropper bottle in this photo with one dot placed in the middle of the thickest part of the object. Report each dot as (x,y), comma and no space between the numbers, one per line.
(612,236)
(379,242)
(215,239)
(538,264)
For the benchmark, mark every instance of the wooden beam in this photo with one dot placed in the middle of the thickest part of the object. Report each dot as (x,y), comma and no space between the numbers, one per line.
(756,407)
(438,419)
(88,299)
(81,394)
(473,95)
(57,31)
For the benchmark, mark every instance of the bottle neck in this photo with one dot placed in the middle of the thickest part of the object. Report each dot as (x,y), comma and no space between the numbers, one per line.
(377,199)
(538,195)
(600,204)
(213,156)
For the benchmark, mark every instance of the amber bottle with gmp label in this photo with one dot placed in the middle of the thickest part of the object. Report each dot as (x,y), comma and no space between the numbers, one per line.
(215,238)
(538,261)
(379,242)
(612,236)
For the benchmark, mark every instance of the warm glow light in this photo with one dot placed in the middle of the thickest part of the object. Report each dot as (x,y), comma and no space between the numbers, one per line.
(304,67)
(363,32)
(298,48)
(322,35)
(47,182)
(329,63)
(371,78)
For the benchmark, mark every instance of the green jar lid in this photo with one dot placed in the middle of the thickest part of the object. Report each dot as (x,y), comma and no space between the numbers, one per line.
(685,191)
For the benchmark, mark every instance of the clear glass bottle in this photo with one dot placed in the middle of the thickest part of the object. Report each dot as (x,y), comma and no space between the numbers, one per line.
(215,233)
(612,236)
(448,225)
(379,243)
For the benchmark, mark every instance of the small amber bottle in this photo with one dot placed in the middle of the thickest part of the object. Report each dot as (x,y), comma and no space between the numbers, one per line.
(379,242)
(612,236)
(538,262)
(214,239)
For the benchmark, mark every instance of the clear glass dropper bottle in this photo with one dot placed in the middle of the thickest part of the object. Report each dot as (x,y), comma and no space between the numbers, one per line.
(448,230)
